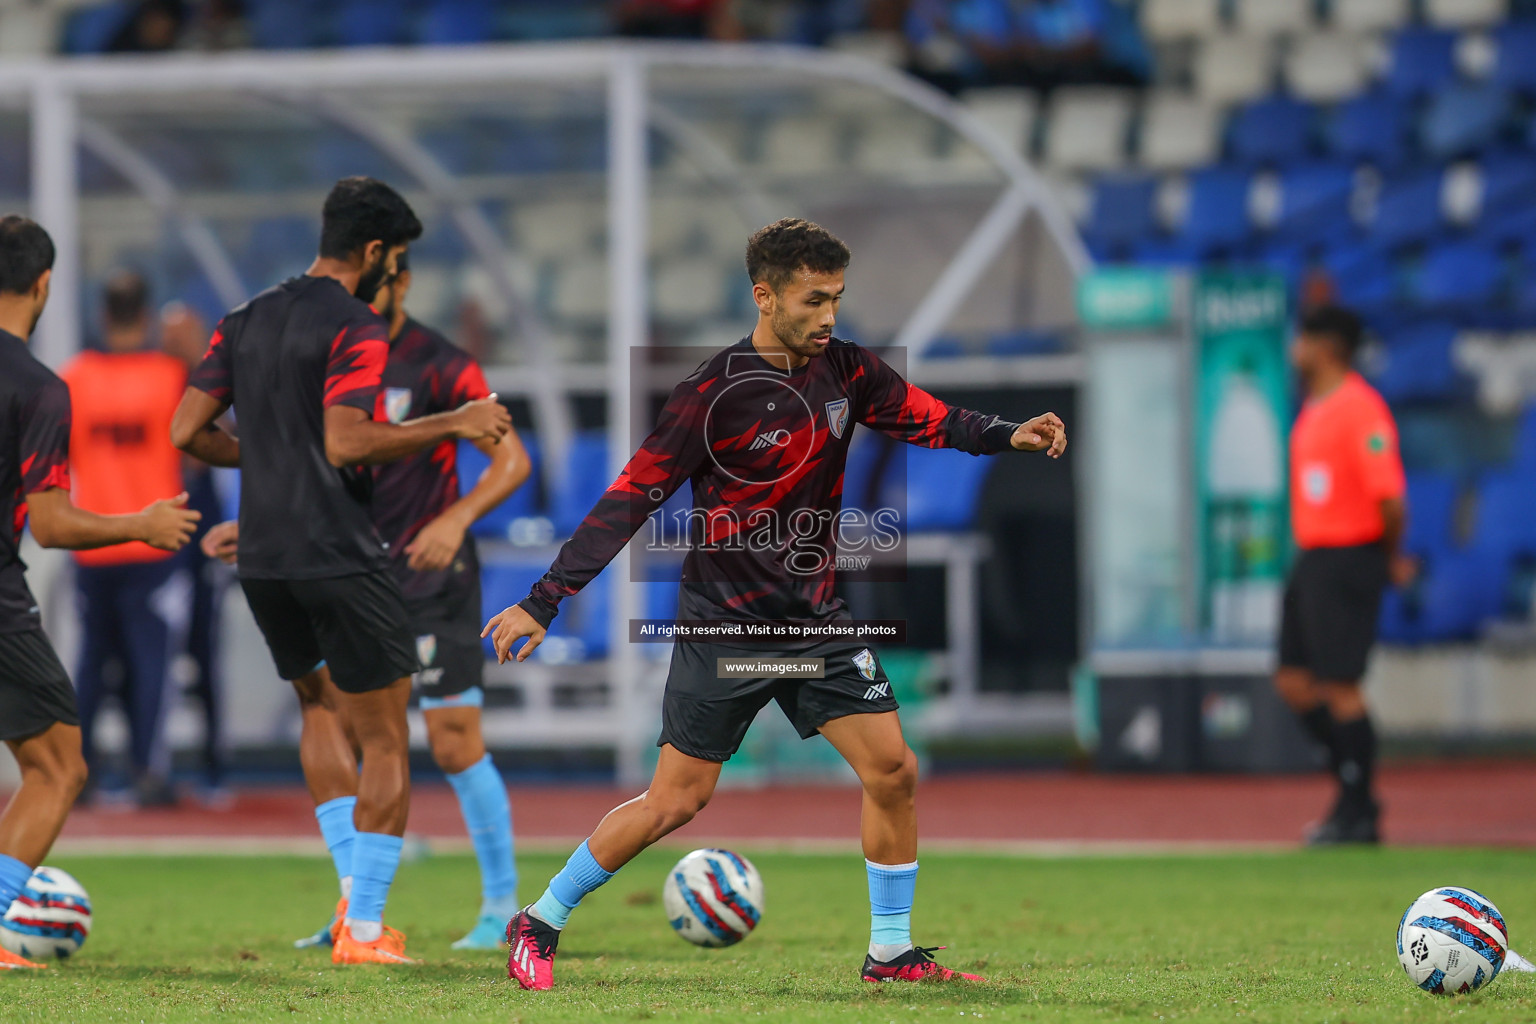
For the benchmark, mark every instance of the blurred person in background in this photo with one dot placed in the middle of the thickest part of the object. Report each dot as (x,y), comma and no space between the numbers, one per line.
(669,19)
(1038,43)
(154,26)
(1348,514)
(133,600)
(184,336)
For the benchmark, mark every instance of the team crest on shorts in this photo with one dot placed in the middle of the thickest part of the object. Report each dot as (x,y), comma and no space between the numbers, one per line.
(397,404)
(864,661)
(837,416)
(426,649)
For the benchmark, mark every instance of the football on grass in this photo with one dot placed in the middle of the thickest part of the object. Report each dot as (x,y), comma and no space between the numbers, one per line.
(49,919)
(713,897)
(1452,940)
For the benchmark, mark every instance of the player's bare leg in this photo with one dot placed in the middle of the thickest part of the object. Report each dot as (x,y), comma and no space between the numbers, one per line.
(874,747)
(53,773)
(376,720)
(680,788)
(328,757)
(458,747)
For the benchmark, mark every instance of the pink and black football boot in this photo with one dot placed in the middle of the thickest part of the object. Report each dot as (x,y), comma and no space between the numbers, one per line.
(916,964)
(531,961)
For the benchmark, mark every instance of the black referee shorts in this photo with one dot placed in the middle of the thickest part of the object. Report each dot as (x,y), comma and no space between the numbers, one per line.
(357,625)
(34,688)
(1329,613)
(706,716)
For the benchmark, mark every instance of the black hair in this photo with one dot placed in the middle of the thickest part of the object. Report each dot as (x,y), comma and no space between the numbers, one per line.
(25,252)
(126,299)
(777,252)
(1342,326)
(361,210)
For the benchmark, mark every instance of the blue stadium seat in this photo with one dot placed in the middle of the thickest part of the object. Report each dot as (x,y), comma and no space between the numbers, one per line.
(1276,129)
(504,581)
(942,488)
(1515,55)
(945,348)
(1123,210)
(1363,276)
(1218,208)
(1525,441)
(1509,181)
(90,29)
(587,477)
(1457,275)
(1505,522)
(1417,363)
(373,23)
(1315,198)
(339,155)
(1455,594)
(1463,118)
(284,24)
(449,22)
(1025,343)
(1432,499)
(1408,208)
(1423,59)
(278,247)
(1372,127)
(523,502)
(861,489)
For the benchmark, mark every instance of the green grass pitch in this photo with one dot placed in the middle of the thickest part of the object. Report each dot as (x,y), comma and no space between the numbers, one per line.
(1283,937)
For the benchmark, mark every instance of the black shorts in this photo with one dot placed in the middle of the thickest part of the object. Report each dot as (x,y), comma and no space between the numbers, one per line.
(705,716)
(34,688)
(447,632)
(357,625)
(1328,618)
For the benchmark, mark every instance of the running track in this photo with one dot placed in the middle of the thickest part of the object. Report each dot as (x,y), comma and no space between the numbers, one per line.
(1460,803)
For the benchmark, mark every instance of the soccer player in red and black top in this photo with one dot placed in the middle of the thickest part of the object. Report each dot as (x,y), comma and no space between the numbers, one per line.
(418,508)
(302,364)
(38,720)
(761,430)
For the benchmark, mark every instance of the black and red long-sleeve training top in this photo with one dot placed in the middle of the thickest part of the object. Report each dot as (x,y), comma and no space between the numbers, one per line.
(764,447)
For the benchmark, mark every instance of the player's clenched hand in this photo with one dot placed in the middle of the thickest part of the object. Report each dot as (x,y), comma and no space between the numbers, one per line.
(510,627)
(169,524)
(222,541)
(434,547)
(1042,434)
(484,417)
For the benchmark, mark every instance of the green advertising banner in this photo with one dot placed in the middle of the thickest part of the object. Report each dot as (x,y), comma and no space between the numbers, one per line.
(1241,393)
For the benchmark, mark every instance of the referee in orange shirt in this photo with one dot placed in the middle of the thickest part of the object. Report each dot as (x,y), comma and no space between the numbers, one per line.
(1348,514)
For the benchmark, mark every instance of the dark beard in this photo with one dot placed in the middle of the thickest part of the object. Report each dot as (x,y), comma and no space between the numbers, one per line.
(368,283)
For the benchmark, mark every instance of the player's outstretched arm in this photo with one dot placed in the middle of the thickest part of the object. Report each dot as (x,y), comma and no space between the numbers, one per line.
(57,523)
(510,626)
(354,438)
(195,429)
(439,541)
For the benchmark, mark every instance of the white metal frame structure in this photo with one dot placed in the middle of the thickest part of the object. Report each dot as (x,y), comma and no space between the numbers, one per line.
(54,90)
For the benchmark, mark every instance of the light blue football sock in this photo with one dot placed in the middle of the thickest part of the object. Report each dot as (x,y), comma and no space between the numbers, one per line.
(335,817)
(581,874)
(14,876)
(375,857)
(488,816)
(892,888)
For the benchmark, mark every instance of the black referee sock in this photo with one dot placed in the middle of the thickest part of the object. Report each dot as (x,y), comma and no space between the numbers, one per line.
(1319,725)
(1356,742)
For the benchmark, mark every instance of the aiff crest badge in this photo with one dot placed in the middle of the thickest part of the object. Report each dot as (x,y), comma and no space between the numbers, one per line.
(837,416)
(864,661)
(397,404)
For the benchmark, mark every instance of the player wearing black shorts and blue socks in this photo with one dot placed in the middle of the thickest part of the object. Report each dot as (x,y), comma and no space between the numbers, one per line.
(38,718)
(302,364)
(771,450)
